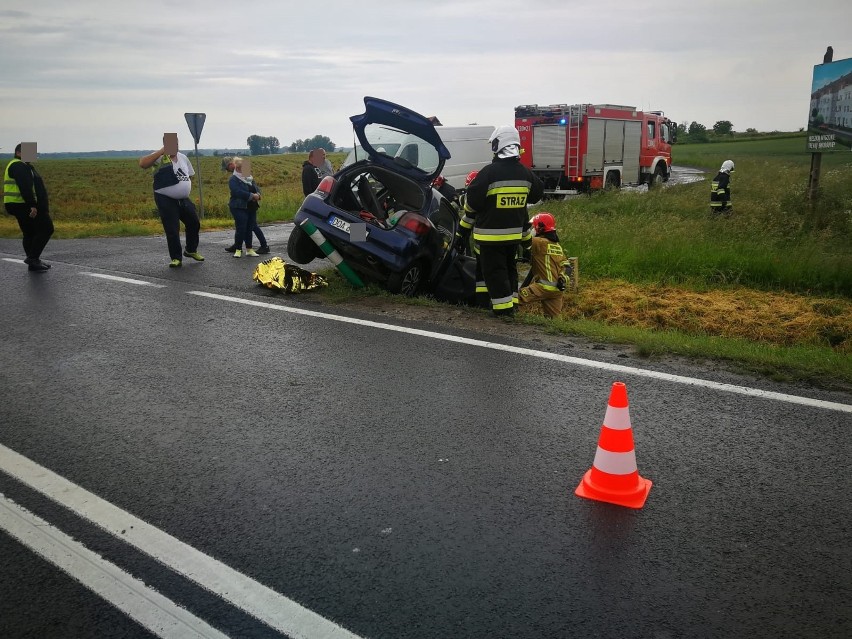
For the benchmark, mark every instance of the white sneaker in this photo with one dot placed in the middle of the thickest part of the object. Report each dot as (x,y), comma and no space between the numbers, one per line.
(238,253)
(251,253)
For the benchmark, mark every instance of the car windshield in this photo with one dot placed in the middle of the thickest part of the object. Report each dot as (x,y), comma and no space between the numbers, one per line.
(407,148)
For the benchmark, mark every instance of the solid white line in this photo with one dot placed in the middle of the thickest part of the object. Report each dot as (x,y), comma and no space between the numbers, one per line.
(12,259)
(144,605)
(123,279)
(617,368)
(273,609)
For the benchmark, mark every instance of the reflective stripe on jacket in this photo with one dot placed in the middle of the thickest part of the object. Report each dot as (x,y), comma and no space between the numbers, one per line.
(720,192)
(11,190)
(496,202)
(547,262)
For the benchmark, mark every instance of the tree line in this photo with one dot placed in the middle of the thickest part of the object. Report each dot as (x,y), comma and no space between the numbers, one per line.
(269,145)
(723,129)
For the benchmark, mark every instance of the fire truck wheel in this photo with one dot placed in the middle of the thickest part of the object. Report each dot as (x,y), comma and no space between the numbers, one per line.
(613,181)
(657,178)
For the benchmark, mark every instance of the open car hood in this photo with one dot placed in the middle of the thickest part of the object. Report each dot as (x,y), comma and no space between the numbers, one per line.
(400,139)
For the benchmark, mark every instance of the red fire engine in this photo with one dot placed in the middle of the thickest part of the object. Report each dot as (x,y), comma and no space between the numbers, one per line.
(580,148)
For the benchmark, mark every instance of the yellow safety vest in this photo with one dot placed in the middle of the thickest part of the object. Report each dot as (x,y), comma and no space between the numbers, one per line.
(11,192)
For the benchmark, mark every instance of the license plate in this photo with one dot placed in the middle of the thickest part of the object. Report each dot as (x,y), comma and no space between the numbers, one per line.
(343,225)
(337,223)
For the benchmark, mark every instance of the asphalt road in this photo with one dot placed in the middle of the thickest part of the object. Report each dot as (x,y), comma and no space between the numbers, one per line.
(271,466)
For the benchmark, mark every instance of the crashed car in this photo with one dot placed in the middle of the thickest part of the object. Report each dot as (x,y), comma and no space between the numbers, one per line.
(410,225)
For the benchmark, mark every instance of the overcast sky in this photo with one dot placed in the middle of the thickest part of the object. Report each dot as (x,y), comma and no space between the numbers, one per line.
(91,75)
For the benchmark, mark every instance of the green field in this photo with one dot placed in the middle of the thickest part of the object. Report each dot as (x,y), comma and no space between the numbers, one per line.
(768,287)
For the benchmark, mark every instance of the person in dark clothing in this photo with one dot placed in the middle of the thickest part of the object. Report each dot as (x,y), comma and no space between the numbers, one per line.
(25,197)
(311,175)
(496,207)
(720,189)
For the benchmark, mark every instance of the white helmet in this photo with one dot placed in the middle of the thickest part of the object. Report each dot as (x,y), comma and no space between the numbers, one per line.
(506,141)
(727,166)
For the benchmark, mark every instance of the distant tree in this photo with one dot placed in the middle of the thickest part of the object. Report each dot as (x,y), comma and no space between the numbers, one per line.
(697,132)
(723,127)
(255,144)
(751,130)
(316,142)
(681,129)
(262,145)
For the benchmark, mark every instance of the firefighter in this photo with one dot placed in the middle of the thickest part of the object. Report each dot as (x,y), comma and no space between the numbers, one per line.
(547,272)
(496,202)
(720,190)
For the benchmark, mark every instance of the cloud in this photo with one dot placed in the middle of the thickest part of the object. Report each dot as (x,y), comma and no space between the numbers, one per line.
(94,75)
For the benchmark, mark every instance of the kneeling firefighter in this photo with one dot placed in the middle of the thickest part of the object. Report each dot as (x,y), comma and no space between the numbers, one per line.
(496,202)
(547,271)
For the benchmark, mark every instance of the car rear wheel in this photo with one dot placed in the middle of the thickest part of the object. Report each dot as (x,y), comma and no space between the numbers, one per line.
(409,281)
(301,248)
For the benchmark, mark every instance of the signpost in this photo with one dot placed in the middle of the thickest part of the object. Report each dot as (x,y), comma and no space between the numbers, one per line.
(195,122)
(829,122)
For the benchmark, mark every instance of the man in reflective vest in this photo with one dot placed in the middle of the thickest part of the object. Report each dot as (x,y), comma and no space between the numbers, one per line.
(496,202)
(720,189)
(25,197)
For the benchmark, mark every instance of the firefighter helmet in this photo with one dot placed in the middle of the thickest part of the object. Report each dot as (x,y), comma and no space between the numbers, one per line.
(543,223)
(727,166)
(470,178)
(503,137)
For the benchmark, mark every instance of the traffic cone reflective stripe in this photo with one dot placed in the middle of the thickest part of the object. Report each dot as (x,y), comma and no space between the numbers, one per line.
(614,476)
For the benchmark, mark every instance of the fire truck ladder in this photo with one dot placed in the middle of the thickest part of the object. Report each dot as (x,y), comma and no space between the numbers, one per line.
(575,116)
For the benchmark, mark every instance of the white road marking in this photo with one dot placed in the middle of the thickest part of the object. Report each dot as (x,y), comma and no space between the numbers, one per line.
(144,605)
(616,368)
(273,609)
(12,259)
(123,279)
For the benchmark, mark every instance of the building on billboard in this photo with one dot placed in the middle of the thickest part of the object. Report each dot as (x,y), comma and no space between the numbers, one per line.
(830,117)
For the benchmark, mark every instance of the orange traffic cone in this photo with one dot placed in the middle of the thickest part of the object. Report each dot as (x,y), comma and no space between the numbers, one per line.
(614,477)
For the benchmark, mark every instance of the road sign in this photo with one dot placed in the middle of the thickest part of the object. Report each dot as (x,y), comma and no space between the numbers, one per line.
(195,122)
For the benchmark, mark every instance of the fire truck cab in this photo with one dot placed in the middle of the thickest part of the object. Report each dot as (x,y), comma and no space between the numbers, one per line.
(581,148)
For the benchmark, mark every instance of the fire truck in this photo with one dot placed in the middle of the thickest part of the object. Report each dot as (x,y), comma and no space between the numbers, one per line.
(580,148)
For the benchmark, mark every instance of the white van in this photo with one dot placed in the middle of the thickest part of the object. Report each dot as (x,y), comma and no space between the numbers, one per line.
(468,147)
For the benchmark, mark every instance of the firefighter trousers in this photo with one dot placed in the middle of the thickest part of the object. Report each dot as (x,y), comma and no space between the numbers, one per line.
(551,301)
(500,272)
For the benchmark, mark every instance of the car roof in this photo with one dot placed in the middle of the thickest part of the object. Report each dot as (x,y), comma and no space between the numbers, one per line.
(378,111)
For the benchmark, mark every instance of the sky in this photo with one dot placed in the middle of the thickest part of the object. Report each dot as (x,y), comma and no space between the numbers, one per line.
(116,74)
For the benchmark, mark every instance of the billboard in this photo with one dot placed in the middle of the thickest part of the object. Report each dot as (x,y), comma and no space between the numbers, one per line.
(830,117)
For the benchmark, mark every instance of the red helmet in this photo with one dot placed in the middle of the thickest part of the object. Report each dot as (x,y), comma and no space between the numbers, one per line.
(543,222)
(470,177)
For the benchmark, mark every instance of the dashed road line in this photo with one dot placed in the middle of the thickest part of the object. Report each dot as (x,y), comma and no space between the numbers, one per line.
(127,280)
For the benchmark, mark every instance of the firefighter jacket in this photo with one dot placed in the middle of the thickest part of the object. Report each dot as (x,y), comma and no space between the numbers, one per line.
(496,202)
(548,264)
(720,191)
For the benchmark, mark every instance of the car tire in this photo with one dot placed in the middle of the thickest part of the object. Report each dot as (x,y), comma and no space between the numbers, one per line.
(301,248)
(409,281)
